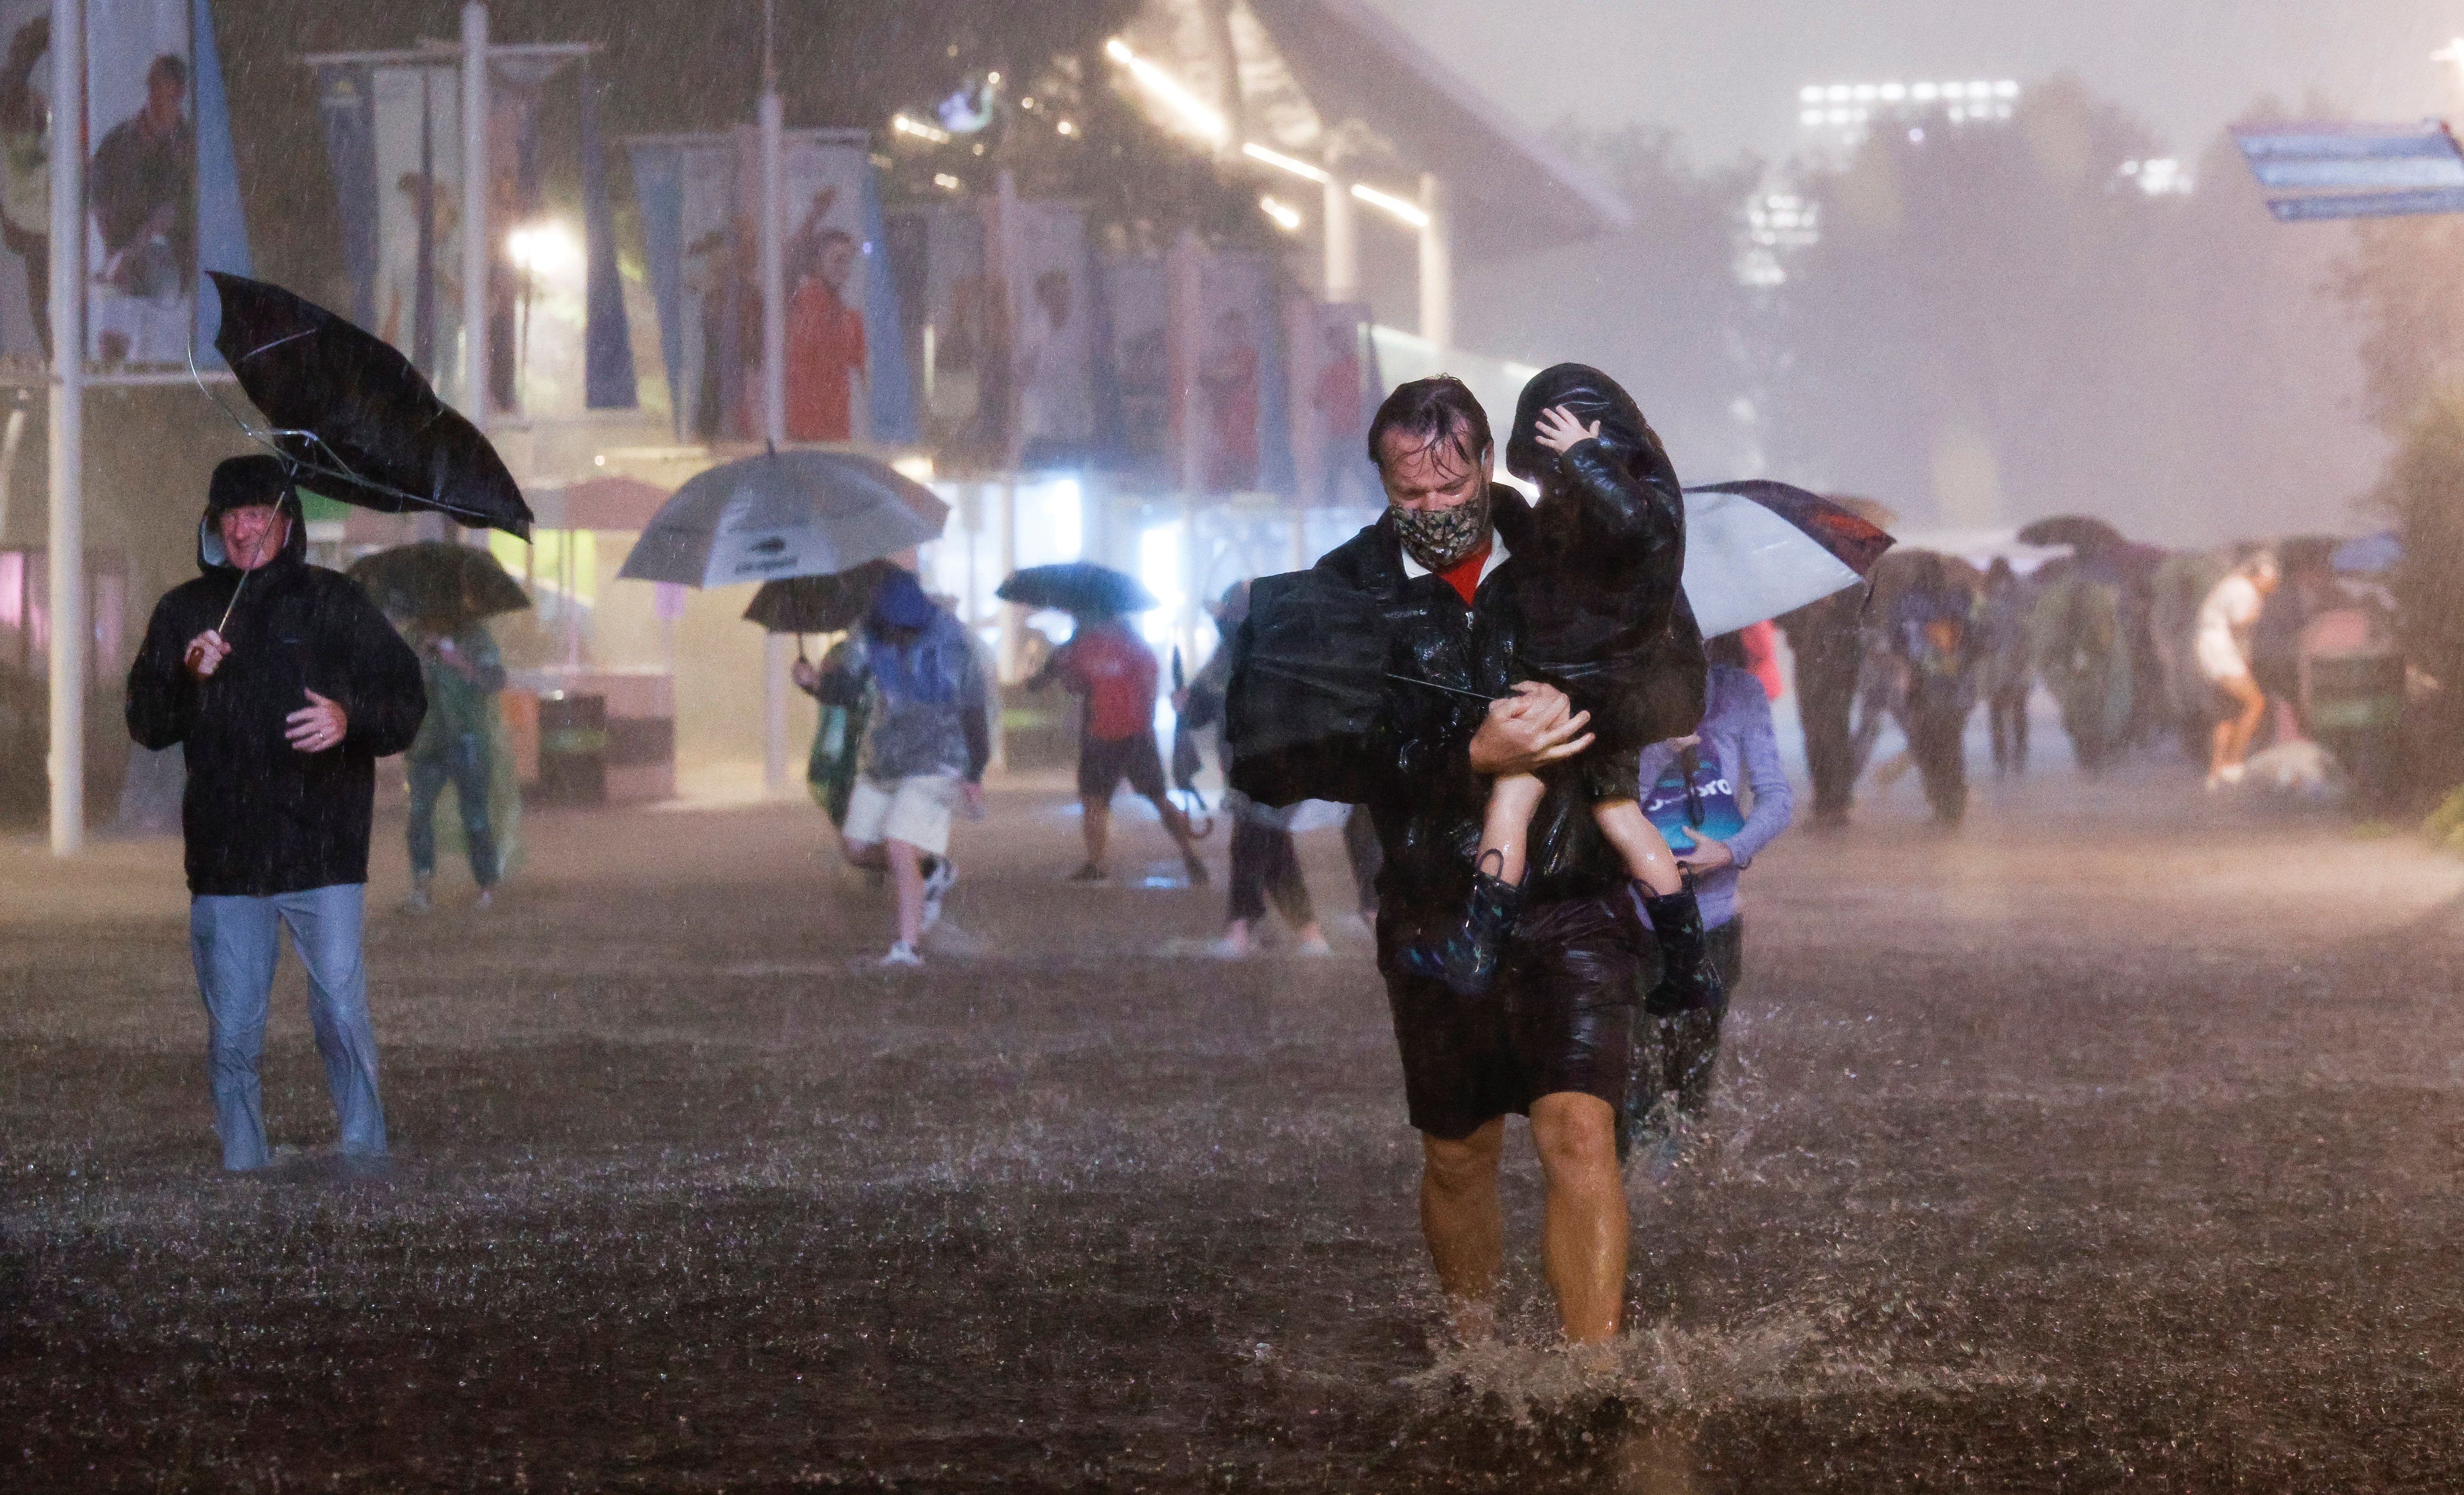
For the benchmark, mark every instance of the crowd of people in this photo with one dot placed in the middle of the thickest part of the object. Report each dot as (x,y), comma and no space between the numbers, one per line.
(1548,798)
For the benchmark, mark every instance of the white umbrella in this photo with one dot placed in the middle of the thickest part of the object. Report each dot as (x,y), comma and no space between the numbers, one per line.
(784,514)
(1757,549)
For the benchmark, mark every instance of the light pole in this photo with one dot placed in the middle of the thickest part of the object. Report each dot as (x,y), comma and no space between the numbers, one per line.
(774,377)
(70,628)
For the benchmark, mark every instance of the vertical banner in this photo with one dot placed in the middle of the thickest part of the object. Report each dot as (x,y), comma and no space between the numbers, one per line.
(346,103)
(222,226)
(1234,407)
(141,250)
(1051,301)
(700,200)
(26,180)
(416,294)
(1334,395)
(658,188)
(941,265)
(606,334)
(1136,363)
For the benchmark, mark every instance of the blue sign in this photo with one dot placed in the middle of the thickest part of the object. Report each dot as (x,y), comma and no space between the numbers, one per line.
(2414,168)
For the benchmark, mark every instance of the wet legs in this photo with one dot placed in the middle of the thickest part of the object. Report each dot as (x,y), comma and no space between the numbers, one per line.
(1583,1225)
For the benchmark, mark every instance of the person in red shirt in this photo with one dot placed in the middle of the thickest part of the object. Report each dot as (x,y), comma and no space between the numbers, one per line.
(1115,670)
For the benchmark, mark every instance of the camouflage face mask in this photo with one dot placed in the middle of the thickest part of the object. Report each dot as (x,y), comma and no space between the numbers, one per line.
(1439,537)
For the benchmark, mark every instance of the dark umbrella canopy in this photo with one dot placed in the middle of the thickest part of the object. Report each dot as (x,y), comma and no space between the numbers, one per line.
(353,416)
(816,604)
(2083,532)
(438,584)
(1077,586)
(1311,685)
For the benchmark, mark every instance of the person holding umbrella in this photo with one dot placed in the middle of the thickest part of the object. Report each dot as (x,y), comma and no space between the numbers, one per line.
(1117,673)
(285,685)
(926,742)
(462,672)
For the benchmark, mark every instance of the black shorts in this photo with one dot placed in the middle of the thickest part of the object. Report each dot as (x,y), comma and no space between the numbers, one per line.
(1102,766)
(1560,1016)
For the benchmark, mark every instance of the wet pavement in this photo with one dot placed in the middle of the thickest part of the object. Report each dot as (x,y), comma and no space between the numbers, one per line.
(2112,1143)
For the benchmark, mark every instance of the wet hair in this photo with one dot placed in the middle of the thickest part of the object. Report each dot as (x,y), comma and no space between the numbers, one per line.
(1439,409)
(171,65)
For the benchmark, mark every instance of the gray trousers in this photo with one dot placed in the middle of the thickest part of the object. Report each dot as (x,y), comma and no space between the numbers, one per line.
(235,942)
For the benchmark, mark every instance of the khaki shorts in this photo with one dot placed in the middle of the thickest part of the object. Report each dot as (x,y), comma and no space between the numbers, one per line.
(914,809)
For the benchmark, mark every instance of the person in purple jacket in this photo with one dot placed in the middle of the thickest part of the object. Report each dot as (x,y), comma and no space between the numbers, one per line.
(1691,791)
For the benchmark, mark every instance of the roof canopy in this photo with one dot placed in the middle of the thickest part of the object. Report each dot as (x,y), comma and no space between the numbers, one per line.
(1511,192)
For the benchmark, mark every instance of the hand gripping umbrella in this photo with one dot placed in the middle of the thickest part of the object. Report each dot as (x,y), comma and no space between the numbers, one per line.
(352,417)
(782,515)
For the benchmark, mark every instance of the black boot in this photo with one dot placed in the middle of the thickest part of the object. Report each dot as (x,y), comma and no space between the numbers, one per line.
(1688,981)
(1465,961)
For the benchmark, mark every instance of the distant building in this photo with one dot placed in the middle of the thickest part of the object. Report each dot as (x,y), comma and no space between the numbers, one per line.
(1839,116)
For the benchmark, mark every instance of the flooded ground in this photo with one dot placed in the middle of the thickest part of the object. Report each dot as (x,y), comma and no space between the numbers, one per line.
(2112,1143)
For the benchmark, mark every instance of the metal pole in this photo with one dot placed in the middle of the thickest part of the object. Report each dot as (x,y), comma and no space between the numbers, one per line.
(1436,263)
(71,628)
(475,227)
(774,399)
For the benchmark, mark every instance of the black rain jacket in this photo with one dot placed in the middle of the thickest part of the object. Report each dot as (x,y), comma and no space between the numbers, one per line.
(261,817)
(1408,760)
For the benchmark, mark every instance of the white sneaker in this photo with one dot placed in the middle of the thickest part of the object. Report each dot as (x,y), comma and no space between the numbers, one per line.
(1223,947)
(487,900)
(418,902)
(1314,947)
(937,887)
(901,954)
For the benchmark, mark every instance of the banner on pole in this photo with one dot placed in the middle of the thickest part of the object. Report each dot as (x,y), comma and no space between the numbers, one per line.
(701,198)
(1231,403)
(1335,393)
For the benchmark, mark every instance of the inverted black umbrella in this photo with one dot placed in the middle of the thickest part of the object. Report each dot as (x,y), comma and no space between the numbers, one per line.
(440,585)
(1757,549)
(1077,586)
(1309,689)
(354,418)
(804,605)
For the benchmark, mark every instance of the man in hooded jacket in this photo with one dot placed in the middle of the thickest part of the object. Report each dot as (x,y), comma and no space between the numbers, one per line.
(285,685)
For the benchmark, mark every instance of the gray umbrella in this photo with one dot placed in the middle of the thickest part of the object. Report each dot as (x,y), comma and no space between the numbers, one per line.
(784,514)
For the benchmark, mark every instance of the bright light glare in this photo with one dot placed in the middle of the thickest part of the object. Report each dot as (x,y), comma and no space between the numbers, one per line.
(947,182)
(544,248)
(1283,162)
(919,129)
(1409,212)
(1164,86)
(1286,218)
(917,468)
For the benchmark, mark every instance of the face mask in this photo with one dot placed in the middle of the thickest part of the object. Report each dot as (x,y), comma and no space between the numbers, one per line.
(1439,537)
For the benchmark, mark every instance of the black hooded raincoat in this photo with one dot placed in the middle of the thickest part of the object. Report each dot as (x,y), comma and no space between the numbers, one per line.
(261,817)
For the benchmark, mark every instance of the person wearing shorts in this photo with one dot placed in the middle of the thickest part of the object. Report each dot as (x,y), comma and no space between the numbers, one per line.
(1115,672)
(926,742)
(2222,645)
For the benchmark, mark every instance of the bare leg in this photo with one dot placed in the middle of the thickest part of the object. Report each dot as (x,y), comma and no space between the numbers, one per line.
(863,853)
(1463,1223)
(1513,800)
(1175,820)
(1648,860)
(907,877)
(2235,732)
(1097,825)
(1583,1219)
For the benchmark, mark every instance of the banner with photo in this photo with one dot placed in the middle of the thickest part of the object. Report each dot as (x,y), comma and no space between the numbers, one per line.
(1231,406)
(1052,307)
(962,344)
(1335,393)
(700,196)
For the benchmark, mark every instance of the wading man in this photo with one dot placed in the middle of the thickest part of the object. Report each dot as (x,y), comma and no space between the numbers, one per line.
(1552,1038)
(285,685)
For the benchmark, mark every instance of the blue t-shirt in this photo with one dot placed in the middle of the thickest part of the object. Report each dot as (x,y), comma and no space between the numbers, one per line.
(1710,807)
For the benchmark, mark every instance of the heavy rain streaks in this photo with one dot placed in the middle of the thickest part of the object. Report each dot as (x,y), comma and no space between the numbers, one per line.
(1988,1200)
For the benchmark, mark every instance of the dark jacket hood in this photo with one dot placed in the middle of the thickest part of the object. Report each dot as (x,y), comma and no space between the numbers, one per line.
(212,561)
(1592,396)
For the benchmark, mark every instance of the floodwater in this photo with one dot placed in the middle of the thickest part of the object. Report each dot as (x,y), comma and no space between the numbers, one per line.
(2110,1144)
